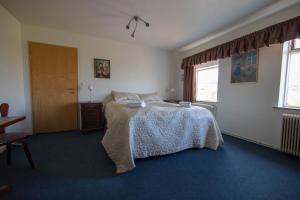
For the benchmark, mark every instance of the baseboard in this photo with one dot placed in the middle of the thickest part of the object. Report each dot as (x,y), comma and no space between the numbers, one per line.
(249,140)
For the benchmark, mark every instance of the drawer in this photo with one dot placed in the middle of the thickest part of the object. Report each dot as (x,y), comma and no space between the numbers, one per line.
(91,125)
(91,114)
(92,117)
(91,106)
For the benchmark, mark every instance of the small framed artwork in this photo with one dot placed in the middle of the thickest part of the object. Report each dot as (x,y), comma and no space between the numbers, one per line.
(244,67)
(101,68)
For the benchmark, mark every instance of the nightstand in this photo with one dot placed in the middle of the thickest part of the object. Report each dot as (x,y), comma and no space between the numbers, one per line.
(172,101)
(92,117)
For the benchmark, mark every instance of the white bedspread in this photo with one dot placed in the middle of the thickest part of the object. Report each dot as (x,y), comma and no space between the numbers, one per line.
(158,129)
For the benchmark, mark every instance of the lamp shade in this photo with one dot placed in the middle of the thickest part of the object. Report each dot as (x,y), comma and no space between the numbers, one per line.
(90,87)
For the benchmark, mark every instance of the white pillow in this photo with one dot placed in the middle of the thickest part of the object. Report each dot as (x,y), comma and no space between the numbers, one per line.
(125,97)
(150,97)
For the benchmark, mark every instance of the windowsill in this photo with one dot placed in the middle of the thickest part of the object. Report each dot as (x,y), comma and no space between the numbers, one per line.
(286,108)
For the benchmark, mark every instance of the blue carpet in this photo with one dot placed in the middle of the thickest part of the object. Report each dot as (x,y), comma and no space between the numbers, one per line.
(75,166)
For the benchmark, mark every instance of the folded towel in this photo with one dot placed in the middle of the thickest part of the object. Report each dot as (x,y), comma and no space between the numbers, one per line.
(185,104)
(141,104)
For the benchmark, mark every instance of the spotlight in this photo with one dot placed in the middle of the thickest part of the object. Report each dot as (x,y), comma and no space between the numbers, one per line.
(136,19)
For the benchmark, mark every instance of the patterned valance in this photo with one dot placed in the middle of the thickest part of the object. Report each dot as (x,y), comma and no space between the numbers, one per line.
(274,34)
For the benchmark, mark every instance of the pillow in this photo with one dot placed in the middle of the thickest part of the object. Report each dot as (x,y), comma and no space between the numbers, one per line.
(125,97)
(150,97)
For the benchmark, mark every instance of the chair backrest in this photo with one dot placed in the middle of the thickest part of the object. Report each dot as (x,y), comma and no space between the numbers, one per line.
(4,107)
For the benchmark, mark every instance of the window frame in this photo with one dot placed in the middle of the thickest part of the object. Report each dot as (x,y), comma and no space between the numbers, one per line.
(290,50)
(202,68)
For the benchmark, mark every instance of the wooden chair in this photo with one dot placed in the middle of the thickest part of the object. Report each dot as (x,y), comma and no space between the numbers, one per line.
(6,139)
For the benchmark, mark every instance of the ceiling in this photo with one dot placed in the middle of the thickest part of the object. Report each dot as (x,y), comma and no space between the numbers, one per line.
(173,23)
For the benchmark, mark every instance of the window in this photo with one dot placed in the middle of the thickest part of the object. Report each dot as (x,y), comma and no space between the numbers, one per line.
(290,82)
(207,83)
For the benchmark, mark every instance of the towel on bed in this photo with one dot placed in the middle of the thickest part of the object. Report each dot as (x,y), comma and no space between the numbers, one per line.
(185,104)
(140,104)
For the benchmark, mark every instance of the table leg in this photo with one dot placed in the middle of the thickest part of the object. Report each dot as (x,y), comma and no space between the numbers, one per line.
(8,154)
(4,188)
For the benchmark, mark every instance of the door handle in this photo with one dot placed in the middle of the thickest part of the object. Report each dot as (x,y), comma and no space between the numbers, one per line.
(71,89)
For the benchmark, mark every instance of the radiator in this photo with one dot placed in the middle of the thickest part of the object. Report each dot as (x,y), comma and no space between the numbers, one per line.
(290,141)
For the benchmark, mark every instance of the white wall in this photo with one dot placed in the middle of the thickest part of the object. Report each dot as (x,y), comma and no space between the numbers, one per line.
(133,68)
(245,110)
(11,70)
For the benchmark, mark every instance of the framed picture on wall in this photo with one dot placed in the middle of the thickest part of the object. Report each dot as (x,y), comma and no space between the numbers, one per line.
(244,67)
(101,68)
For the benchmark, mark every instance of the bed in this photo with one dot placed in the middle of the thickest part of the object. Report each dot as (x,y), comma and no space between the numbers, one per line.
(160,128)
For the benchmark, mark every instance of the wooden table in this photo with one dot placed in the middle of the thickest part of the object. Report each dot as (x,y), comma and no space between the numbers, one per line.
(5,122)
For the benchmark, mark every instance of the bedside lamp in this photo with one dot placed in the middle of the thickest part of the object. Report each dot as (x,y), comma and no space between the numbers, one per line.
(91,87)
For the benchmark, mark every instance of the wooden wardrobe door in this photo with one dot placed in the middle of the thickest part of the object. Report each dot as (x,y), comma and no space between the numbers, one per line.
(54,86)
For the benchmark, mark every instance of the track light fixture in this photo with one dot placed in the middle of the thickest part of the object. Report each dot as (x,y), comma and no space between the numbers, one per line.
(136,19)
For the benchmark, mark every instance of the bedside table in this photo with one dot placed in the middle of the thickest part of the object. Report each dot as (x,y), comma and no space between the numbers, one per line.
(172,101)
(92,117)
